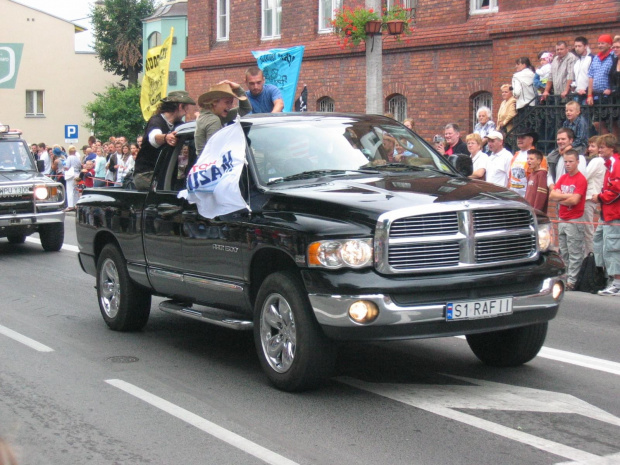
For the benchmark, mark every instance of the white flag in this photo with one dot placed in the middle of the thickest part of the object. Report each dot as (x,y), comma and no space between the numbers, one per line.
(213,182)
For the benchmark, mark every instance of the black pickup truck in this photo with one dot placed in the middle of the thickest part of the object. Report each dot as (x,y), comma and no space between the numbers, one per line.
(357,230)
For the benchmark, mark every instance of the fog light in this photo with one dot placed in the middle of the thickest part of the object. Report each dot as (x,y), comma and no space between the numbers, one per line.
(363,311)
(558,288)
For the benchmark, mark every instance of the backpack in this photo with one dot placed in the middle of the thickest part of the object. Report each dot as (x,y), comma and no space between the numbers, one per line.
(591,278)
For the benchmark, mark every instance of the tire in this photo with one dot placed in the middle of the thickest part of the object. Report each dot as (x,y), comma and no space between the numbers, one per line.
(509,348)
(52,236)
(292,349)
(16,238)
(124,305)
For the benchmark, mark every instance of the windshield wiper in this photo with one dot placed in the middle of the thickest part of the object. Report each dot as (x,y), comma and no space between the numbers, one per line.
(412,168)
(307,175)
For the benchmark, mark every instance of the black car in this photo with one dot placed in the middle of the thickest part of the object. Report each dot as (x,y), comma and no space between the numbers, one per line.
(29,201)
(356,230)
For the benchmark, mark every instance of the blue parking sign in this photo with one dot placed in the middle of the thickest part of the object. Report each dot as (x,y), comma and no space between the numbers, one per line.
(71,133)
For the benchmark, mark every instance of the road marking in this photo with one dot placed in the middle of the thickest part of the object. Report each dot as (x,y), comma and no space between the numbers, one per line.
(208,427)
(572,358)
(443,400)
(607,460)
(24,340)
(67,247)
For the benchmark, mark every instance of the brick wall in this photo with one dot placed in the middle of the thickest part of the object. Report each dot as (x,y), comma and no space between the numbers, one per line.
(449,58)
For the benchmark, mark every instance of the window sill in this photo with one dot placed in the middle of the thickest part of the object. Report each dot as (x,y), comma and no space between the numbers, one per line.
(35,116)
(485,11)
(271,38)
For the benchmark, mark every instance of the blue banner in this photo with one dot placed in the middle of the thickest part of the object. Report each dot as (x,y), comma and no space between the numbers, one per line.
(281,67)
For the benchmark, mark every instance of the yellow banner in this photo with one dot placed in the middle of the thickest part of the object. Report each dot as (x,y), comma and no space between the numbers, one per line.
(155,80)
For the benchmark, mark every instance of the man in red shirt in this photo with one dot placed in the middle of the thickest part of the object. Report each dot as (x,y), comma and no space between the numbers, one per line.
(607,236)
(570,193)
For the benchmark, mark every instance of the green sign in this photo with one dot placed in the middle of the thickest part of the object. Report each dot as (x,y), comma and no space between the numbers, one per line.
(10,57)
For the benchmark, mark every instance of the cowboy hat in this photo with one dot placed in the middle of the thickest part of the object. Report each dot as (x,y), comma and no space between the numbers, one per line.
(216,92)
(178,96)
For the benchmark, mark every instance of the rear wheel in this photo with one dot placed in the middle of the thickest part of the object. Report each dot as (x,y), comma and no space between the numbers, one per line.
(52,236)
(293,351)
(16,238)
(509,348)
(124,305)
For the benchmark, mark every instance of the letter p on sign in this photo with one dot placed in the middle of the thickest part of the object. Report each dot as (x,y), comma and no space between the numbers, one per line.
(71,133)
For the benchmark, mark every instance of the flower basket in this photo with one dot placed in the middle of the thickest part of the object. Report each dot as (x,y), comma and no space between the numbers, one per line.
(350,25)
(373,27)
(395,27)
(397,20)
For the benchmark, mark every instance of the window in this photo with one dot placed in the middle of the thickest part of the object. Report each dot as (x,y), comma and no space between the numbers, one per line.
(34,103)
(223,19)
(326,13)
(483,6)
(397,105)
(272,15)
(407,4)
(154,40)
(483,99)
(326,104)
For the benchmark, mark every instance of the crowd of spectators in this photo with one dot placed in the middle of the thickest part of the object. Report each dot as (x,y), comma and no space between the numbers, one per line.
(97,164)
(582,173)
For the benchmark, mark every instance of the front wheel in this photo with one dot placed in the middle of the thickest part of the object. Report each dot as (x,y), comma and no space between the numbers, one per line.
(52,236)
(293,351)
(16,238)
(124,305)
(509,348)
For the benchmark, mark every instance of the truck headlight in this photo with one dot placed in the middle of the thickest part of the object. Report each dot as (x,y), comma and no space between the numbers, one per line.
(41,193)
(49,193)
(352,253)
(546,237)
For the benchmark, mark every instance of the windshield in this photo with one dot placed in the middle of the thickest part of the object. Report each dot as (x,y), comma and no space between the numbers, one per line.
(14,156)
(315,147)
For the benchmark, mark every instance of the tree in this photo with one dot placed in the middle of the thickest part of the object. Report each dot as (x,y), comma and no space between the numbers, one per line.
(117,113)
(117,26)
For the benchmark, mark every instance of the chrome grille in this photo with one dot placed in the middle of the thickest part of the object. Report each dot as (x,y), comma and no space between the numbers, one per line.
(16,204)
(434,254)
(425,225)
(505,248)
(466,237)
(493,220)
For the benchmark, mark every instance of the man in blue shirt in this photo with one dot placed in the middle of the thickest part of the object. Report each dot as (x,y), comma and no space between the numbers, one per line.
(265,98)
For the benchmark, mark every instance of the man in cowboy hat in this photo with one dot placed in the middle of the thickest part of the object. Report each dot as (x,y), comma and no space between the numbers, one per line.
(159,132)
(216,110)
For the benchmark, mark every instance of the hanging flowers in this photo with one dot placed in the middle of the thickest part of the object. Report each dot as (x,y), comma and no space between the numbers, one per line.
(350,25)
(397,20)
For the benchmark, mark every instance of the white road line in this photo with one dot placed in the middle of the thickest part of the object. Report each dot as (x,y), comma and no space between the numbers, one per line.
(208,427)
(24,340)
(613,459)
(572,358)
(67,247)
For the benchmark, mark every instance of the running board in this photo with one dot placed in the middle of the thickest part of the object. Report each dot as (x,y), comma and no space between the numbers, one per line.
(214,316)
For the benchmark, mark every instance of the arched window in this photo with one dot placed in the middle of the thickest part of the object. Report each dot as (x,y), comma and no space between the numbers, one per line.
(483,99)
(154,39)
(397,105)
(326,104)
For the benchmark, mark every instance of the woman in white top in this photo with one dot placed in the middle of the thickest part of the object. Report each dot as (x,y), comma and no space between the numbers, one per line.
(72,168)
(478,157)
(125,164)
(523,83)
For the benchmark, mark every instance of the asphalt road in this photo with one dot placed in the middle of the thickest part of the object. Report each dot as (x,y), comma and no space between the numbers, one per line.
(74,392)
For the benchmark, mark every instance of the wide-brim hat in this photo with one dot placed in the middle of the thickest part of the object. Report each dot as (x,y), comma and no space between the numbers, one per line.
(527,131)
(178,96)
(216,92)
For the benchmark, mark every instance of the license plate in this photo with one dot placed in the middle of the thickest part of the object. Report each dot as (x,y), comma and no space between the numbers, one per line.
(12,191)
(474,309)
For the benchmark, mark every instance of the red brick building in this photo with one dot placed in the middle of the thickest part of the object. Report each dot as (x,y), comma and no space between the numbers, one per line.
(459,54)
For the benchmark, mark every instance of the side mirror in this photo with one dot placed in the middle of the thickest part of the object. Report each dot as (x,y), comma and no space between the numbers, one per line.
(40,165)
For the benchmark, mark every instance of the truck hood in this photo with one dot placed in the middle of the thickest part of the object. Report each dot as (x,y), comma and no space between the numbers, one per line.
(385,192)
(22,176)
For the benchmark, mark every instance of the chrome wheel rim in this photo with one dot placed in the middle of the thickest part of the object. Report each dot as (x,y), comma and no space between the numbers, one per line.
(278,333)
(109,288)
